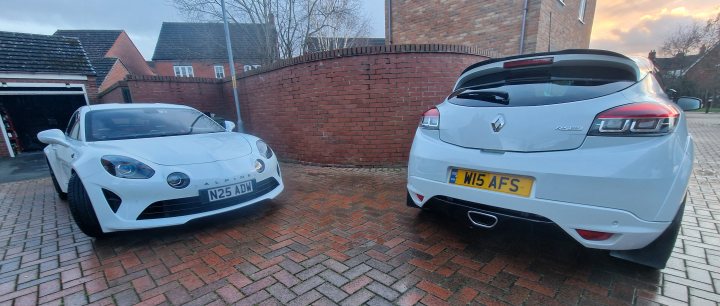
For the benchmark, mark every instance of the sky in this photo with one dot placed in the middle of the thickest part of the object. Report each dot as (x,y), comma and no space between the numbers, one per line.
(632,27)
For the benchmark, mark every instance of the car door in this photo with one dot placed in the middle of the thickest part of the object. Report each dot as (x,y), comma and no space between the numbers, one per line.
(66,155)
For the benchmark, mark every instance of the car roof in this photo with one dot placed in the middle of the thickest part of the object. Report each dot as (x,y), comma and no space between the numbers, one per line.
(132,106)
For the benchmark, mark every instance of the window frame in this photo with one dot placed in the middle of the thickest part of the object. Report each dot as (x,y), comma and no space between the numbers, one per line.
(73,128)
(184,71)
(221,71)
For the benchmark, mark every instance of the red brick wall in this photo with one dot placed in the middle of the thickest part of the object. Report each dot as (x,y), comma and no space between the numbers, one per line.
(206,95)
(359,109)
(357,106)
(125,50)
(201,69)
(489,24)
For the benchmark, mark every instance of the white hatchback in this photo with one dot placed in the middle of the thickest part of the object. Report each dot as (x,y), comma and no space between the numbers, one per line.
(584,139)
(134,166)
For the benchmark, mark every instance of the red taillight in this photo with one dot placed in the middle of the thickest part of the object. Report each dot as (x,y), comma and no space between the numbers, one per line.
(593,235)
(430,119)
(420,196)
(528,62)
(637,119)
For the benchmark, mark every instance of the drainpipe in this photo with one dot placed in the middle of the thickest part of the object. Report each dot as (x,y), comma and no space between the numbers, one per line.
(389,22)
(522,31)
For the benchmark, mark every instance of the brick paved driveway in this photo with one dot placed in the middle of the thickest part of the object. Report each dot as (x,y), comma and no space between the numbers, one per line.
(344,236)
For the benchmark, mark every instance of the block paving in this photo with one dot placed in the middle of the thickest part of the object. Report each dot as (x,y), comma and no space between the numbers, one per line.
(344,236)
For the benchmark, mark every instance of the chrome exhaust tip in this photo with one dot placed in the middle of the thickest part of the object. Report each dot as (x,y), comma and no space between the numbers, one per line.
(482,219)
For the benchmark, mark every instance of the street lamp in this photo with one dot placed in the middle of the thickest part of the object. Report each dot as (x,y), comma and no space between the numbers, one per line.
(240,127)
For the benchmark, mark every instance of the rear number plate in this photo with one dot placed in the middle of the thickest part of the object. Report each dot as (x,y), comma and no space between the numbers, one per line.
(226,192)
(505,183)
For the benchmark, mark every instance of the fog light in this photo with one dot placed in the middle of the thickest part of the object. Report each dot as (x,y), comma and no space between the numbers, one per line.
(593,235)
(259,166)
(178,180)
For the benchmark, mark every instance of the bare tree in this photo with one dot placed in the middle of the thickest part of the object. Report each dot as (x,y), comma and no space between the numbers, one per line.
(691,38)
(290,22)
(346,30)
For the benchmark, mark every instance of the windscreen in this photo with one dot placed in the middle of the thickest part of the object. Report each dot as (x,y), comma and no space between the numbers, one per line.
(541,86)
(115,124)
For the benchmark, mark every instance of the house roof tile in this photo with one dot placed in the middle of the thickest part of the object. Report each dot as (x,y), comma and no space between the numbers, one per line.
(21,52)
(206,41)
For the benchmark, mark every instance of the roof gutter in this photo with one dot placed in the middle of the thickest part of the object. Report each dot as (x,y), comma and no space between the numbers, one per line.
(522,30)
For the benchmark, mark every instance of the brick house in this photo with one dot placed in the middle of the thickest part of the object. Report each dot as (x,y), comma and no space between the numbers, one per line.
(43,80)
(199,50)
(112,54)
(503,26)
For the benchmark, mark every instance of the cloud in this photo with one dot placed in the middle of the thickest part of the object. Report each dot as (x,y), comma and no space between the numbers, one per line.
(628,27)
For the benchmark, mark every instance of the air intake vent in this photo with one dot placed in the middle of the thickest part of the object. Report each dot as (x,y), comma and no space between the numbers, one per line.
(112,199)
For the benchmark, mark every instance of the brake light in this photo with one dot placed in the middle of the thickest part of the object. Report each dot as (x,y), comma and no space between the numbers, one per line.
(528,62)
(593,235)
(637,119)
(430,119)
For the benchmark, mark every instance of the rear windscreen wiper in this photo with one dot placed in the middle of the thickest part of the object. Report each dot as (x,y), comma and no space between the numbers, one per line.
(499,97)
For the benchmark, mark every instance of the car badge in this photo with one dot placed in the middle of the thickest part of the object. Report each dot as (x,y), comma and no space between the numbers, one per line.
(498,123)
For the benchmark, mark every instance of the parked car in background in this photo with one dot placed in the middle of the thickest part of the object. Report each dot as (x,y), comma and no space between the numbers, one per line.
(584,139)
(134,166)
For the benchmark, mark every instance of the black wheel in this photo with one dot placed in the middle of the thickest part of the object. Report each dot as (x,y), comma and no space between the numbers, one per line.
(81,208)
(62,195)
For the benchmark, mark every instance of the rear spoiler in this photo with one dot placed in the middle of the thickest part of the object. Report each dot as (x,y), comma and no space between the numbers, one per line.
(563,52)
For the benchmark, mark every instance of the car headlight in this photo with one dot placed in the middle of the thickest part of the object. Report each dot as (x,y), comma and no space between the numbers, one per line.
(126,167)
(264,149)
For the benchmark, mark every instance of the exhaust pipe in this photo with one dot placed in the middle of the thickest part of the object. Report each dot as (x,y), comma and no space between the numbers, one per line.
(482,219)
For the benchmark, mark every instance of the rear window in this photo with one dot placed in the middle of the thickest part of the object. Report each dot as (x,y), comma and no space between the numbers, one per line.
(541,86)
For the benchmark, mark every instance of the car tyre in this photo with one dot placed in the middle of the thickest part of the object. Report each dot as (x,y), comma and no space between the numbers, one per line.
(81,208)
(62,195)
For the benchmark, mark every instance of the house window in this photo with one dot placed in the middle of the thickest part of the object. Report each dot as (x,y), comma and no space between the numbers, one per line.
(219,72)
(250,67)
(184,71)
(581,13)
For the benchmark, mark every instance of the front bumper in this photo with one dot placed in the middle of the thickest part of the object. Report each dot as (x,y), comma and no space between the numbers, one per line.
(151,203)
(577,189)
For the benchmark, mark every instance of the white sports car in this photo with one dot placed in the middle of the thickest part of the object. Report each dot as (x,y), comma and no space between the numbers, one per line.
(584,139)
(135,166)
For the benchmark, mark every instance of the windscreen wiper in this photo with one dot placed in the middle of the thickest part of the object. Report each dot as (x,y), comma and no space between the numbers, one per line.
(499,97)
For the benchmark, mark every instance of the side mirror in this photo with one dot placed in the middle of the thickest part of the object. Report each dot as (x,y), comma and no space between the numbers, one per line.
(53,136)
(229,126)
(689,103)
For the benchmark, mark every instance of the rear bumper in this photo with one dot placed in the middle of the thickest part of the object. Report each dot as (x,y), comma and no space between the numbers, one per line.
(632,188)
(630,232)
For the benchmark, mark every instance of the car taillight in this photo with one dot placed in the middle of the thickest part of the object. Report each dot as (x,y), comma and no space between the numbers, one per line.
(528,62)
(637,119)
(593,235)
(430,119)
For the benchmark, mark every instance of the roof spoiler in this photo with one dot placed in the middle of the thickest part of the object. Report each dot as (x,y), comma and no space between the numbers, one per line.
(563,52)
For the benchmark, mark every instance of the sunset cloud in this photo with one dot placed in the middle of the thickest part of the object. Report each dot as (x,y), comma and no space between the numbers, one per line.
(636,27)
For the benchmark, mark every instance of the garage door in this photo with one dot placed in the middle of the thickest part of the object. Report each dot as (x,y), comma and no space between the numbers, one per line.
(28,110)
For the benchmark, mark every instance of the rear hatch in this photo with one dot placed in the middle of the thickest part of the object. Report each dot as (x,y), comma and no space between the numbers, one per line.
(535,103)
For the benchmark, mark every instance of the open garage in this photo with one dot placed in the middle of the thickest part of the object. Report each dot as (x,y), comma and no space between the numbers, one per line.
(29,110)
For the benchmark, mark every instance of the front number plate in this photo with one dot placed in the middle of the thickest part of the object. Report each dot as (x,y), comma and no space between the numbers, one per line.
(505,183)
(230,191)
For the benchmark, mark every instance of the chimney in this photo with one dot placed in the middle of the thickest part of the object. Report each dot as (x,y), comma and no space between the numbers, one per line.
(652,55)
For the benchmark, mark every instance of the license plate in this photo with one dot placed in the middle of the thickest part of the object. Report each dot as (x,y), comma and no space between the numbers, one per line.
(505,183)
(227,192)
